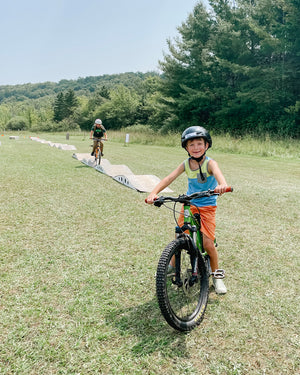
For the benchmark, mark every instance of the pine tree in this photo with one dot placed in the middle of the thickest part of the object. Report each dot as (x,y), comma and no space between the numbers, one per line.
(59,107)
(235,67)
(64,105)
(70,103)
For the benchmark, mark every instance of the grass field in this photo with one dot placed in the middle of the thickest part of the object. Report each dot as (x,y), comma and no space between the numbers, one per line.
(78,255)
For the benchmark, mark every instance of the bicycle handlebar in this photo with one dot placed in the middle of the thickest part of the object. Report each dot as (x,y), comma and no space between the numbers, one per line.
(187,198)
(98,139)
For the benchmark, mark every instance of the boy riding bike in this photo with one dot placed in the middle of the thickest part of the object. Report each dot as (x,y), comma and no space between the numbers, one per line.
(97,132)
(203,173)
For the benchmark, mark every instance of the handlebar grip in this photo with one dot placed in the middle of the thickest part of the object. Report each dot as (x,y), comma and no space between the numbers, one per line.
(146,200)
(229,189)
(156,202)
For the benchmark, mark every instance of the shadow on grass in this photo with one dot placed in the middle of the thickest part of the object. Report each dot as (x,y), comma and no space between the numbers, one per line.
(147,324)
(82,166)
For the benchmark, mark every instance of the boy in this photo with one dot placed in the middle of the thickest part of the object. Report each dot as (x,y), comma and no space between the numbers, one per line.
(203,173)
(97,132)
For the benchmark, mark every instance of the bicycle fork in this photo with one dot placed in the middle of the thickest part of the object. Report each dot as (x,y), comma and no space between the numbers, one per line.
(177,281)
(194,264)
(194,258)
(191,274)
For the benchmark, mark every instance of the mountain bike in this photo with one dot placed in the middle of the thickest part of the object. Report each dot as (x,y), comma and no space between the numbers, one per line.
(97,153)
(182,291)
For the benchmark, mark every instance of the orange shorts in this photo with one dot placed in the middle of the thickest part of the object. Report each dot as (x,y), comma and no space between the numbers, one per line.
(208,219)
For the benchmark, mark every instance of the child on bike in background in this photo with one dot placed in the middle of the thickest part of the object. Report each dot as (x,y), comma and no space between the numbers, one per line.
(203,173)
(97,132)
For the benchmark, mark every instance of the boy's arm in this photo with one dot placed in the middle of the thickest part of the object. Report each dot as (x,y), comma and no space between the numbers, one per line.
(164,183)
(214,169)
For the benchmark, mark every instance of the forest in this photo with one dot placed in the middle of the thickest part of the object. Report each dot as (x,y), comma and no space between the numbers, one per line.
(234,68)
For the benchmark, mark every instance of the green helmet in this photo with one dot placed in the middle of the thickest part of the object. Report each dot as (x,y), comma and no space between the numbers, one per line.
(195,132)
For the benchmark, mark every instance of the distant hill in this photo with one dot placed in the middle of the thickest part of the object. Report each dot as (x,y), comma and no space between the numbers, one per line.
(81,86)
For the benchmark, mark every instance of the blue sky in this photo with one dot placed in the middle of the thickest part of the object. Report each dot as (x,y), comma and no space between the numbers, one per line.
(50,40)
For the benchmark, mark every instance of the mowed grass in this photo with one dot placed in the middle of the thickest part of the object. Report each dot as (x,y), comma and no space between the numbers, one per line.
(78,255)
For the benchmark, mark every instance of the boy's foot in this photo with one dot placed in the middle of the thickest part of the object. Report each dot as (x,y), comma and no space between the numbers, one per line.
(102,154)
(92,154)
(219,286)
(171,269)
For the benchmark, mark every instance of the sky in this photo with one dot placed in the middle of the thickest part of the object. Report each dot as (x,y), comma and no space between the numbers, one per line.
(50,40)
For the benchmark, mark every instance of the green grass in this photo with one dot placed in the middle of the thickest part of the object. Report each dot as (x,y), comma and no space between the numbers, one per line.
(78,255)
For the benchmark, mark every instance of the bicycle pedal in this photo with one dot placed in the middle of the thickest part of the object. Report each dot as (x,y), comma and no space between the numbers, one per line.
(177,281)
(218,274)
(193,280)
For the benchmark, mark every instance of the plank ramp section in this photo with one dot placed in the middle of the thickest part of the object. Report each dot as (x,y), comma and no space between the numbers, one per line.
(61,146)
(122,174)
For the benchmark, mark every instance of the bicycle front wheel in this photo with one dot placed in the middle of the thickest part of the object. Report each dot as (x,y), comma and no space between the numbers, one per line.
(182,293)
(99,157)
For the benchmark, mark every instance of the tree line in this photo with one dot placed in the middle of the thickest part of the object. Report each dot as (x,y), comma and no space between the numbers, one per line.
(234,67)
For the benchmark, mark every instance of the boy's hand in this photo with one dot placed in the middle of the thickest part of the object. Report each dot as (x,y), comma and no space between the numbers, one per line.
(221,189)
(151,198)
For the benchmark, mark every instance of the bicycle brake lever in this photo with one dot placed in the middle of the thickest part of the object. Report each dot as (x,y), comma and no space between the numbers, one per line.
(158,202)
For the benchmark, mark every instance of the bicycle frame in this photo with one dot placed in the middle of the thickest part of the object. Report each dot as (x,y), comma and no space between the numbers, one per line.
(97,150)
(193,226)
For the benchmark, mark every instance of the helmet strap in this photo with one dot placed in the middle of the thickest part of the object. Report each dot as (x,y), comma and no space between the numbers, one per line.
(198,160)
(201,174)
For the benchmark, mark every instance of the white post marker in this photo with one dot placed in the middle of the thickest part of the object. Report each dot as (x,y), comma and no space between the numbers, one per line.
(127,138)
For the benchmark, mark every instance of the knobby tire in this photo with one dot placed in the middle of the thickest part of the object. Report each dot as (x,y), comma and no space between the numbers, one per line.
(99,157)
(182,301)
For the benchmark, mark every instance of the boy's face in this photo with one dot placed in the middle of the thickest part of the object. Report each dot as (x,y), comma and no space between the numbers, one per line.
(196,147)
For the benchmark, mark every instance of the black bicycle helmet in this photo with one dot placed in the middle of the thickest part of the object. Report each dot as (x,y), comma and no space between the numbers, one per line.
(195,132)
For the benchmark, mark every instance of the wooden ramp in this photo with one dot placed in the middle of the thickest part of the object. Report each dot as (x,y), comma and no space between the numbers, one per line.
(122,174)
(61,146)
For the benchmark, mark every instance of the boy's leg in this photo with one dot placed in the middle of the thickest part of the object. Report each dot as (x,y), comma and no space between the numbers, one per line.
(101,148)
(94,147)
(211,250)
(209,247)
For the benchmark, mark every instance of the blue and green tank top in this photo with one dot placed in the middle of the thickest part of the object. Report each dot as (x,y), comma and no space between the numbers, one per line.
(195,183)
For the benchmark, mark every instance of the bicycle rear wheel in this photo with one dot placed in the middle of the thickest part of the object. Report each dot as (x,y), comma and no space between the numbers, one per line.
(183,294)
